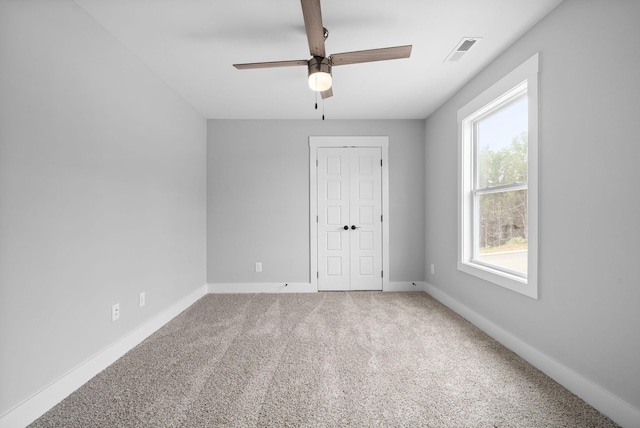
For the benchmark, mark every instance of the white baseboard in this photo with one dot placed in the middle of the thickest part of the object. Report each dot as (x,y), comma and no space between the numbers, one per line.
(38,404)
(601,399)
(405,286)
(278,287)
(300,287)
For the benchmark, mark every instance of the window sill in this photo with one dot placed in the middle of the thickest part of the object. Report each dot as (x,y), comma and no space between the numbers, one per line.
(512,282)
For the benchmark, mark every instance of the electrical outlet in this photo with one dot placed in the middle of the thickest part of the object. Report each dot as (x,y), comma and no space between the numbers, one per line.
(258,266)
(115,312)
(141,299)
(433,269)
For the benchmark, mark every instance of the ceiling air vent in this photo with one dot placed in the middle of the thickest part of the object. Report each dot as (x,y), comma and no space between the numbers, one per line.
(461,48)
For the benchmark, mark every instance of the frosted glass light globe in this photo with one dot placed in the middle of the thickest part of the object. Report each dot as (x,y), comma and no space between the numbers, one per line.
(320,81)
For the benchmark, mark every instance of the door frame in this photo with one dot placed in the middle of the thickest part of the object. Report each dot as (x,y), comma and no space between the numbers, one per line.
(316,142)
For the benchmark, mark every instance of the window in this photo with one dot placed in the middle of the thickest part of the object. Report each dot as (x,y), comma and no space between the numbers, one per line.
(498,200)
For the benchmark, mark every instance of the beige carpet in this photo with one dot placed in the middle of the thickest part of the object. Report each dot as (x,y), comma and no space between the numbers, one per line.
(325,360)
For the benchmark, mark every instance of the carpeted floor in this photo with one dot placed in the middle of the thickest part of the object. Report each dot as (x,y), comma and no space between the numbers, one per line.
(326,360)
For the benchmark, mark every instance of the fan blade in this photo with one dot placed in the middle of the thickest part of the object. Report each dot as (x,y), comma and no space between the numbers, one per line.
(271,64)
(326,94)
(313,24)
(371,55)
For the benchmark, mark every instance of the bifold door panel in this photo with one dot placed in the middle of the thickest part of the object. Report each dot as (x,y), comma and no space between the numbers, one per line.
(349,219)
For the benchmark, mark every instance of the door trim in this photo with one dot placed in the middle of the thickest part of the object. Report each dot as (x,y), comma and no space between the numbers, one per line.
(346,141)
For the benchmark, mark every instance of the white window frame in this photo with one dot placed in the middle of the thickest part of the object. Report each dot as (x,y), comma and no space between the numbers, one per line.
(524,79)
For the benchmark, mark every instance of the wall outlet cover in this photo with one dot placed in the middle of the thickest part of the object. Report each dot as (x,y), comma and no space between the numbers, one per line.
(115,312)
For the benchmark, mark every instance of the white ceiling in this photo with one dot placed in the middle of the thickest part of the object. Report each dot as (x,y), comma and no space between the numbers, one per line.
(192,44)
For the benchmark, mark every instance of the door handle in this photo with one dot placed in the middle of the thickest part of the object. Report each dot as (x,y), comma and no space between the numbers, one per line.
(353,227)
(346,227)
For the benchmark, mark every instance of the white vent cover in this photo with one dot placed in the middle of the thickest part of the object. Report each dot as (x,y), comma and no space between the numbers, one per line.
(461,48)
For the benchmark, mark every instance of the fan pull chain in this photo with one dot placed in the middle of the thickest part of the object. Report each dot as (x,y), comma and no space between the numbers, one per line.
(316,100)
(323,109)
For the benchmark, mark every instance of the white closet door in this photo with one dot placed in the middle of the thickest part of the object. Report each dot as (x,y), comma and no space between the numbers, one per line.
(365,211)
(349,219)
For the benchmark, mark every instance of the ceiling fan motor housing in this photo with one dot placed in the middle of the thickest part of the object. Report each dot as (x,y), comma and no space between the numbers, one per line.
(319,73)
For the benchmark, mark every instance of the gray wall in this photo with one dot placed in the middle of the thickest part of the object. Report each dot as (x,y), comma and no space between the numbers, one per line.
(258,197)
(102,193)
(588,315)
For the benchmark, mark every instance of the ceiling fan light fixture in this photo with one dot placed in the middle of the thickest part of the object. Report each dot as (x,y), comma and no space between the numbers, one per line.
(319,66)
(319,74)
(320,81)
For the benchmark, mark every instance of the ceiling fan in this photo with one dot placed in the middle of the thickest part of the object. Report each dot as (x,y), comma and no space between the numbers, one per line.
(319,66)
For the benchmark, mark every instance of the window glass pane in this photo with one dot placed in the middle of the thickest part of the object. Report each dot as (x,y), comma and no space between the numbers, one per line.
(502,230)
(501,146)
